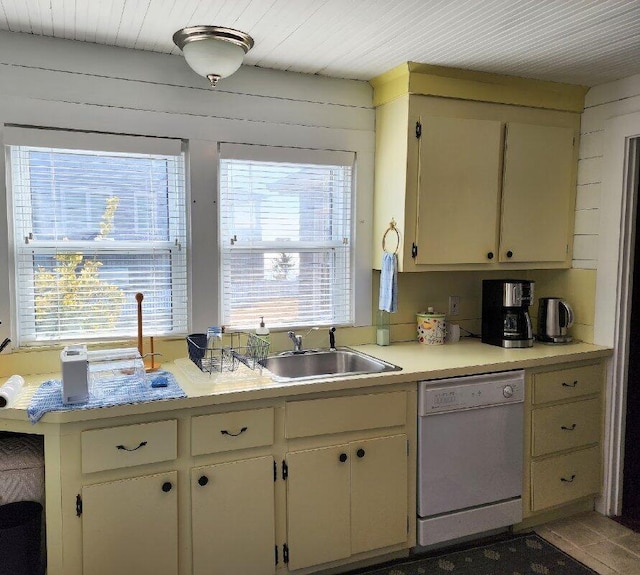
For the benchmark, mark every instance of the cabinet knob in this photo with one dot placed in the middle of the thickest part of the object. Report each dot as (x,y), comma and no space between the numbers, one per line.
(490,256)
(360,452)
(166,486)
(343,457)
(509,254)
(203,480)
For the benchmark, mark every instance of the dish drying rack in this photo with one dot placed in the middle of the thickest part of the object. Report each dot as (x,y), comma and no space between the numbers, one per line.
(211,355)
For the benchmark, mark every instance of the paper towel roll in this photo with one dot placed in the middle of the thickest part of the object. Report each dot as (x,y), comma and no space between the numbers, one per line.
(11,390)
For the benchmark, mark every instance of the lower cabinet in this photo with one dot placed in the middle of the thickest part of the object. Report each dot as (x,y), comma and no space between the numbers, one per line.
(233,518)
(278,487)
(565,478)
(131,526)
(565,436)
(346,499)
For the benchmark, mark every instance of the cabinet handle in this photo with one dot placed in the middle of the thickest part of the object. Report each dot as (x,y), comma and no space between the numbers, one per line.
(360,452)
(122,447)
(225,432)
(166,486)
(509,254)
(203,480)
(343,457)
(568,480)
(490,256)
(573,426)
(570,384)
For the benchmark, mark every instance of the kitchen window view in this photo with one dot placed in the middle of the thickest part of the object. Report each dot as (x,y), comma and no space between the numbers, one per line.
(285,232)
(91,229)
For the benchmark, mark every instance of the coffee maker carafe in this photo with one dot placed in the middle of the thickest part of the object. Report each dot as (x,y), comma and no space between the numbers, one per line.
(505,312)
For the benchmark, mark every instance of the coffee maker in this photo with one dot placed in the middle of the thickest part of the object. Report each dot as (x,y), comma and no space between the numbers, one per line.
(505,312)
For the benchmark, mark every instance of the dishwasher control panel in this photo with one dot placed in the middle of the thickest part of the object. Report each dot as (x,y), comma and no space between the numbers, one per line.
(470,392)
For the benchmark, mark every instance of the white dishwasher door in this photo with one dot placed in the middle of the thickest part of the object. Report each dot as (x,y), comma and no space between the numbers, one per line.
(469,458)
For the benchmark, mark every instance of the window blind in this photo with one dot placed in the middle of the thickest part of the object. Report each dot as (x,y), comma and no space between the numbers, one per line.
(91,228)
(285,231)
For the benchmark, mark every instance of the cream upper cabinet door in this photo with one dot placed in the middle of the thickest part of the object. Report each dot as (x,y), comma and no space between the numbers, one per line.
(458,199)
(233,518)
(318,514)
(378,493)
(537,196)
(131,526)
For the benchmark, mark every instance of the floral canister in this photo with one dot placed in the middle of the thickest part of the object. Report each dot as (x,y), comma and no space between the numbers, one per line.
(431,327)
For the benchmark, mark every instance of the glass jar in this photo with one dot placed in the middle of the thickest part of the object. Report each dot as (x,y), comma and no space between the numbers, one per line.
(383,320)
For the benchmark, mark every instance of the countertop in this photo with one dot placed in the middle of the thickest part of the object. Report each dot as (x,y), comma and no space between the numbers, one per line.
(418,362)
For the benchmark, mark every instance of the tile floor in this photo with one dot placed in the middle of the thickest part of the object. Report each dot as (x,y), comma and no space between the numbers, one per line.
(597,541)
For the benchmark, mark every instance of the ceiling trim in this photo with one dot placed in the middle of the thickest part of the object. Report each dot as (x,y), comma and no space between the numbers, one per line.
(428,80)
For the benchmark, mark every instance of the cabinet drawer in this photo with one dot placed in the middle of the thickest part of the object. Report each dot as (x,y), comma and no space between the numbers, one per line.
(567,383)
(564,478)
(129,445)
(229,431)
(565,426)
(340,414)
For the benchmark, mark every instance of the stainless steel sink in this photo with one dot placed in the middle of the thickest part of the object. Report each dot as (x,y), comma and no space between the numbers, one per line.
(324,363)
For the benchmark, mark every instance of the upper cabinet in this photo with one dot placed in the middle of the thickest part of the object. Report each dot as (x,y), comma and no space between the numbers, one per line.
(475,184)
(538,193)
(458,201)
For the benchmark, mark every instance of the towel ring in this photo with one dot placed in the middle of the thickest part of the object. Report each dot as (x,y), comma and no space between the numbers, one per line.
(392,227)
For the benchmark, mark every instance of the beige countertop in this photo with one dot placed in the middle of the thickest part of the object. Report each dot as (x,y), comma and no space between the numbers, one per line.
(418,362)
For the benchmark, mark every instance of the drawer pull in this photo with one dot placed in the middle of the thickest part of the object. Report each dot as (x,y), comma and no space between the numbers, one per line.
(123,448)
(166,486)
(203,480)
(570,384)
(571,428)
(360,453)
(225,432)
(565,480)
(343,457)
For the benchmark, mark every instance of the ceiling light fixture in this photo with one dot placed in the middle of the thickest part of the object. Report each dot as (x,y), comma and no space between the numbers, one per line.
(212,51)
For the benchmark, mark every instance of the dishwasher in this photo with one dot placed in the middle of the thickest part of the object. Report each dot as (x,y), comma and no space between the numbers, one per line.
(470,455)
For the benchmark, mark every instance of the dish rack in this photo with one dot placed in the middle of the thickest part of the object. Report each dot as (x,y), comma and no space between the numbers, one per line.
(211,354)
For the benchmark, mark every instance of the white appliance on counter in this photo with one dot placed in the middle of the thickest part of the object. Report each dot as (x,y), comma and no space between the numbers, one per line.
(470,455)
(74,365)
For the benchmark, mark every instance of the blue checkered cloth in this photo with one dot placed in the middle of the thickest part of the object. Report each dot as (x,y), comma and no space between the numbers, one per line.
(117,391)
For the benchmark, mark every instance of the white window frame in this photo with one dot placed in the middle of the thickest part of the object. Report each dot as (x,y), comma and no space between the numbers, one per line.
(286,154)
(97,143)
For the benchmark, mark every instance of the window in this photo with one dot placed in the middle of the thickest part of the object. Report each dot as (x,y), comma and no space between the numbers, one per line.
(97,219)
(285,232)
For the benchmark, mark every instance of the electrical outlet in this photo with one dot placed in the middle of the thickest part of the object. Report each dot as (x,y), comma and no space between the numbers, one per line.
(454,304)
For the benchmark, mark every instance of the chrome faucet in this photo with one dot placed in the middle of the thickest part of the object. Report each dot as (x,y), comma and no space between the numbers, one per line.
(297,341)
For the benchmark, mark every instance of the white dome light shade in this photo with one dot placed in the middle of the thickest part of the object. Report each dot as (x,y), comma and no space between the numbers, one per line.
(212,51)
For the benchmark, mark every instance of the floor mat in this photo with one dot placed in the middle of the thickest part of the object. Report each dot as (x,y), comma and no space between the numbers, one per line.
(523,555)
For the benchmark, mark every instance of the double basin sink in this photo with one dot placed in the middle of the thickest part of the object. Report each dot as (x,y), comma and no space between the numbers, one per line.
(315,364)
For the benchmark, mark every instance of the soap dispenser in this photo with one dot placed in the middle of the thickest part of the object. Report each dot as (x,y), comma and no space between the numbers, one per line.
(262,331)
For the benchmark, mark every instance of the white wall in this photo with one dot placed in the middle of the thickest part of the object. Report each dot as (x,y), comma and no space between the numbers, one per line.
(66,84)
(601,103)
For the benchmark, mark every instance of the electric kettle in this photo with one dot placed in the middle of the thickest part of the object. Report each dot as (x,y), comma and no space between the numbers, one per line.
(555,316)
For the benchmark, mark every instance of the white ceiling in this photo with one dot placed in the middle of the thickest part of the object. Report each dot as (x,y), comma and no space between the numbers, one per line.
(586,42)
